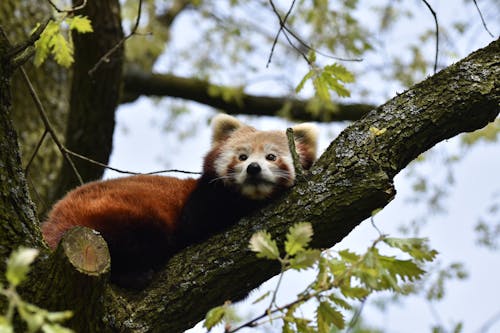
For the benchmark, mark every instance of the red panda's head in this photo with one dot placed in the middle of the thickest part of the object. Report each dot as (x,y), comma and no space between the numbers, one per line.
(256,163)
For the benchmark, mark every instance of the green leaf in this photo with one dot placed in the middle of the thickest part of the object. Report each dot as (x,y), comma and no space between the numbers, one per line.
(415,247)
(18,265)
(349,256)
(340,302)
(214,316)
(298,237)
(339,72)
(305,259)
(62,50)
(326,316)
(42,45)
(302,82)
(80,23)
(264,246)
(354,292)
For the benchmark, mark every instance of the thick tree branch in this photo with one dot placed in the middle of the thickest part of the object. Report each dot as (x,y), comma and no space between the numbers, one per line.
(138,83)
(351,179)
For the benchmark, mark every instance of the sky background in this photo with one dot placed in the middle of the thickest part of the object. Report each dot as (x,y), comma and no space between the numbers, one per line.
(142,144)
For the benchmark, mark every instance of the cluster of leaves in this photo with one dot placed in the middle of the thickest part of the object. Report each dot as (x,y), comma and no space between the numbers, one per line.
(56,39)
(343,278)
(326,79)
(35,318)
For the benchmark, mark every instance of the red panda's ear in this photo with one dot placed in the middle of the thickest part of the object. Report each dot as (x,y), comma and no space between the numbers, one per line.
(223,126)
(306,142)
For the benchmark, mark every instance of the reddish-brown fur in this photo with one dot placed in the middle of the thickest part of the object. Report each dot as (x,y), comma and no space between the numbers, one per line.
(118,204)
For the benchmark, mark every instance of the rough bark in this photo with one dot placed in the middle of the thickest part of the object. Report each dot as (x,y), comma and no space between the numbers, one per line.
(351,179)
(94,98)
(137,83)
(18,223)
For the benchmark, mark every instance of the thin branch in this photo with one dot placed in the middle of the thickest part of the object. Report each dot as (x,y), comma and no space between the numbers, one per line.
(35,152)
(107,55)
(17,49)
(284,27)
(125,171)
(70,10)
(304,44)
(490,322)
(356,316)
(48,126)
(282,24)
(482,19)
(437,34)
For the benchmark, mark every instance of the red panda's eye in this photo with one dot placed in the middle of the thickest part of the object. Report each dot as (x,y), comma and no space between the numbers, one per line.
(243,157)
(271,157)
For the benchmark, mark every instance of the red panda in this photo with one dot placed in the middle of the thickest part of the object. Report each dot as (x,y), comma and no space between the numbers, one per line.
(145,219)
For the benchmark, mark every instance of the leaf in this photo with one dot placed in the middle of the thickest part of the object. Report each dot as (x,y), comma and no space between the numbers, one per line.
(18,265)
(305,259)
(264,246)
(298,237)
(62,50)
(339,72)
(326,316)
(214,316)
(42,45)
(80,23)
(340,302)
(415,247)
(349,256)
(354,292)
(302,82)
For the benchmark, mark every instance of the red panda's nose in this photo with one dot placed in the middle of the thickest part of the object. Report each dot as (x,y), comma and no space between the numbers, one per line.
(253,169)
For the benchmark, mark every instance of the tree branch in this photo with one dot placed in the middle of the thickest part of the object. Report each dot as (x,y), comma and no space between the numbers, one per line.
(350,180)
(138,83)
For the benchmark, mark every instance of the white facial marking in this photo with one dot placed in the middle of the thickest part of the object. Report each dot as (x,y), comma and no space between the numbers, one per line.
(232,165)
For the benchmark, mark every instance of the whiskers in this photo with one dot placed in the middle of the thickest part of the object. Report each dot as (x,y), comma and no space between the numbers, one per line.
(223,178)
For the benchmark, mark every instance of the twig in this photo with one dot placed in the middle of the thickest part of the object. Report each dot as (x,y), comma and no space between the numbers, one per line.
(285,28)
(482,19)
(490,322)
(35,152)
(372,220)
(71,10)
(304,44)
(125,171)
(356,316)
(105,57)
(48,126)
(437,34)
(16,49)
(282,25)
